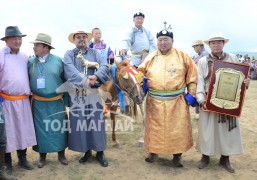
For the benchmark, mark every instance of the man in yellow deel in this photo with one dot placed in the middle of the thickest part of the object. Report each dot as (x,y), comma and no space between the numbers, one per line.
(170,73)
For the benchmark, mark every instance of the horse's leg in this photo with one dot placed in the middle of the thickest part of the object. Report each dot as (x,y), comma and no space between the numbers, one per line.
(132,109)
(112,115)
(142,134)
(142,110)
(135,109)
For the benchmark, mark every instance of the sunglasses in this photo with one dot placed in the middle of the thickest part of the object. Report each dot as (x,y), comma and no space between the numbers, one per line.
(81,37)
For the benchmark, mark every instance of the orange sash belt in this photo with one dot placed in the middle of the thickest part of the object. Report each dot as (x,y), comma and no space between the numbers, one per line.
(13,97)
(40,98)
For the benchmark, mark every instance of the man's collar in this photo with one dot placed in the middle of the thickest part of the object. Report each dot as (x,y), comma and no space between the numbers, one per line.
(76,50)
(168,53)
(7,50)
(101,42)
(222,56)
(135,29)
(43,59)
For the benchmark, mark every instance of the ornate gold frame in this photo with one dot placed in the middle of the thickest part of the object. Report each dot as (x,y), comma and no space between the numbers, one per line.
(227,88)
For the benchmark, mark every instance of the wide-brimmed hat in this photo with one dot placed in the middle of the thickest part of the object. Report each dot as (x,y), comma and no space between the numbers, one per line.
(12,31)
(216,36)
(197,42)
(44,39)
(71,36)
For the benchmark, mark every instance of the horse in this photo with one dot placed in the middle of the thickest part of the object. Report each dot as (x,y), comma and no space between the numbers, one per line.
(128,80)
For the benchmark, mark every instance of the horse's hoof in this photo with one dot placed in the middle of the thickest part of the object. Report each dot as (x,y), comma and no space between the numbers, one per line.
(117,145)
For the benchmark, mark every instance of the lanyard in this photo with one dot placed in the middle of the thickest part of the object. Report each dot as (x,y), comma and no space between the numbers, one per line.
(41,67)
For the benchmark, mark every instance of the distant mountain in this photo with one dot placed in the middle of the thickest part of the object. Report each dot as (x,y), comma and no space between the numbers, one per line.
(250,54)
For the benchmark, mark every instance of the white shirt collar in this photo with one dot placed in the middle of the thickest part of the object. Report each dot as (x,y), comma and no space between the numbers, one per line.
(43,59)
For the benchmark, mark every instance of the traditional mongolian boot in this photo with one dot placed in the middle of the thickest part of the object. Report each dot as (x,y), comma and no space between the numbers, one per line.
(151,157)
(3,174)
(225,163)
(62,158)
(101,158)
(204,161)
(8,163)
(42,160)
(177,160)
(23,162)
(86,156)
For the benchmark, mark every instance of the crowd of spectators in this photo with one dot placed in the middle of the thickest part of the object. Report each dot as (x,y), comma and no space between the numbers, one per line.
(250,61)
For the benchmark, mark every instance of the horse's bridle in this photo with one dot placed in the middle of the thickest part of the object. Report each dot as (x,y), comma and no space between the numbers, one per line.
(129,91)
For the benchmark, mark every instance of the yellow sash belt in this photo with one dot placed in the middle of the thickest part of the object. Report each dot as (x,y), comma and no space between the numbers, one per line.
(13,97)
(140,52)
(40,98)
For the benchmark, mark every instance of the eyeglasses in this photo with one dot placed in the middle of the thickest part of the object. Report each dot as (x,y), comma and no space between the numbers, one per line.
(81,37)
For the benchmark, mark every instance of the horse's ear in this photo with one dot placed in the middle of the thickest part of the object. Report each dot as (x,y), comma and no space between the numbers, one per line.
(126,62)
(122,64)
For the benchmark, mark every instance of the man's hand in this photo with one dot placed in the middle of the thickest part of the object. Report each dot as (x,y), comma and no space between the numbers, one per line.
(91,80)
(123,52)
(111,57)
(247,82)
(203,106)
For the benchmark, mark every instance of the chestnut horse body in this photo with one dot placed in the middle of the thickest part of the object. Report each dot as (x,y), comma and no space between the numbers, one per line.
(126,81)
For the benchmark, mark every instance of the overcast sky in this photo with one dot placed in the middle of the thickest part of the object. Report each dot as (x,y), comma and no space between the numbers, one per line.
(190,20)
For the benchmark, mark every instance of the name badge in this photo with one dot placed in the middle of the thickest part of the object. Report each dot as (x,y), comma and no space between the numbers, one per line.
(41,82)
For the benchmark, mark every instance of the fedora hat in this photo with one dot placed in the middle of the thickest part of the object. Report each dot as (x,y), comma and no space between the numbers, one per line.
(197,42)
(216,36)
(71,35)
(12,31)
(44,39)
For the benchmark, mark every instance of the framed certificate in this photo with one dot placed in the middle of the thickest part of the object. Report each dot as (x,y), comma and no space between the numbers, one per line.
(226,89)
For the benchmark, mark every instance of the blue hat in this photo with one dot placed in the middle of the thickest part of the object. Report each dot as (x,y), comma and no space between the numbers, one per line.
(12,31)
(165,31)
(139,14)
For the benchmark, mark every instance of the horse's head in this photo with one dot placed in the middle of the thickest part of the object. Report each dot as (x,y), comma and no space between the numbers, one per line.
(129,80)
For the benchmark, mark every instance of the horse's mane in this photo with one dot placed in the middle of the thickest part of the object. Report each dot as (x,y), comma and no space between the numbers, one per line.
(108,86)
